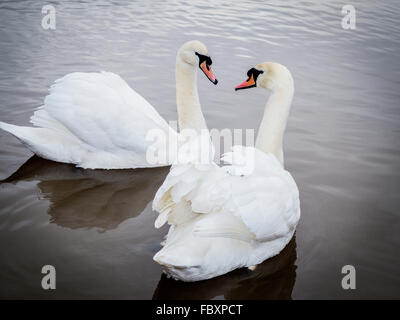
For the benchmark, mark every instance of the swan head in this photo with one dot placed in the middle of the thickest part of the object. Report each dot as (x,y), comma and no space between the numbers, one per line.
(267,75)
(195,54)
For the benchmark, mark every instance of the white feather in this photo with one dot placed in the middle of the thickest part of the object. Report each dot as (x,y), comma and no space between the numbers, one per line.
(230,221)
(94,120)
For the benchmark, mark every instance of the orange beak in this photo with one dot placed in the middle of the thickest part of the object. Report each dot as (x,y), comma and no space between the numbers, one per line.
(208,72)
(249,83)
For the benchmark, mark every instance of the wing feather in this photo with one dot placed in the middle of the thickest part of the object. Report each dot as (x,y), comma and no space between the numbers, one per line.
(90,104)
(260,205)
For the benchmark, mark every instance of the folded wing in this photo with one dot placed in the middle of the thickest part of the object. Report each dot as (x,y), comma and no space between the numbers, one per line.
(251,199)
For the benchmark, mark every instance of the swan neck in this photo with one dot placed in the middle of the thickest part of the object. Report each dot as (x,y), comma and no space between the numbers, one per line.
(273,124)
(190,115)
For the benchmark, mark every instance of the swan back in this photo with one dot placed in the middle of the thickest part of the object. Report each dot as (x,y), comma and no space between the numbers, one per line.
(214,211)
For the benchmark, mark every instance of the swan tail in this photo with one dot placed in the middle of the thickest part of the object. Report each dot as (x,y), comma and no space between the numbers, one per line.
(46,142)
(21,133)
(177,263)
(52,141)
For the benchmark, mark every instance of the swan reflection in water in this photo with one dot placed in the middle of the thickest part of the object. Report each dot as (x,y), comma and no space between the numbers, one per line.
(272,279)
(90,198)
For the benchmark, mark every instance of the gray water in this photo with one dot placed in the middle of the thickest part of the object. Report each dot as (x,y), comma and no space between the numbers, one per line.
(341,145)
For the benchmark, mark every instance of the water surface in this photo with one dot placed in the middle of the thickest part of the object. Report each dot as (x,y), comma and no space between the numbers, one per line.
(342,144)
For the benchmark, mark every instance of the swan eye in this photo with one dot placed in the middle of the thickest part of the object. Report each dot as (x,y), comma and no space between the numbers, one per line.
(254,72)
(251,82)
(203,58)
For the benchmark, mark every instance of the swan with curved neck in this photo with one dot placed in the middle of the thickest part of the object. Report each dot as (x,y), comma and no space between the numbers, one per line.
(95,120)
(191,55)
(278,79)
(224,218)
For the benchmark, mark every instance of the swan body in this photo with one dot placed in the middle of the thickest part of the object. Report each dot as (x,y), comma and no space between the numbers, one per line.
(96,120)
(237,215)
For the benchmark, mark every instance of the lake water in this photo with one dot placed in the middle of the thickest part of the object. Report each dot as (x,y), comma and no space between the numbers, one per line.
(342,144)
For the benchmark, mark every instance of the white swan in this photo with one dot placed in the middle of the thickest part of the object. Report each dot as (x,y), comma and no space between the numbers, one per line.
(95,120)
(223,218)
